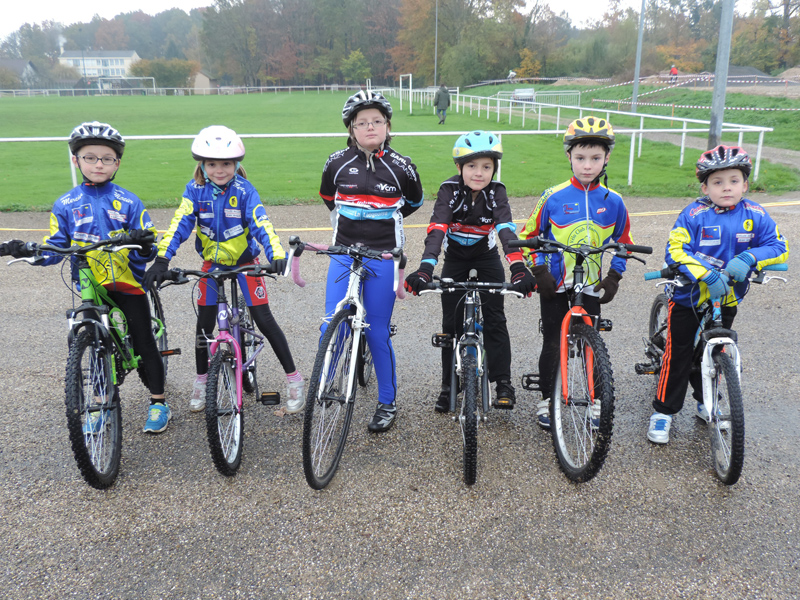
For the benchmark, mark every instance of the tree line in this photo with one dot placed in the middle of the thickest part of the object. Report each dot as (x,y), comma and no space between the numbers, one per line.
(280,42)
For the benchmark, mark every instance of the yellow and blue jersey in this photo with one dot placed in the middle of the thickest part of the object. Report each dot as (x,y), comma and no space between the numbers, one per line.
(90,213)
(705,236)
(227,224)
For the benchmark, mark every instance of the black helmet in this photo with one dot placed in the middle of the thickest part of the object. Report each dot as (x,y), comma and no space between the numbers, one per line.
(98,133)
(721,158)
(365,99)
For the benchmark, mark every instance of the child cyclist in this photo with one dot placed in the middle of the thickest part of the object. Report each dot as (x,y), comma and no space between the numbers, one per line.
(369,189)
(721,230)
(578,211)
(96,210)
(470,213)
(228,215)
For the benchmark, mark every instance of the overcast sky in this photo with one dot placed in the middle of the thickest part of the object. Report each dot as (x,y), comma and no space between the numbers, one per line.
(16,13)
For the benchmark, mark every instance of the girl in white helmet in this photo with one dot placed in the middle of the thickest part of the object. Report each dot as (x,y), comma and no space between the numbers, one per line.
(225,211)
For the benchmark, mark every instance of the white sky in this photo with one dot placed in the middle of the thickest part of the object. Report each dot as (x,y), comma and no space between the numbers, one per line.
(16,13)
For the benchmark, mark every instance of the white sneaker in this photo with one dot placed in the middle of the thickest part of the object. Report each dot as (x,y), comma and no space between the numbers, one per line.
(198,401)
(543,414)
(295,396)
(658,433)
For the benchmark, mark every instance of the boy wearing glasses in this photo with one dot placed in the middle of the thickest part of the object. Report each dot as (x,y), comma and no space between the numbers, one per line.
(99,209)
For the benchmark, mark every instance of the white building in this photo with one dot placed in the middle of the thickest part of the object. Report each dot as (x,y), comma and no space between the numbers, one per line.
(100,63)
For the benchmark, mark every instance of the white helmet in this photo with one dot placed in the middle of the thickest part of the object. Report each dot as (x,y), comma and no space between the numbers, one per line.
(217,142)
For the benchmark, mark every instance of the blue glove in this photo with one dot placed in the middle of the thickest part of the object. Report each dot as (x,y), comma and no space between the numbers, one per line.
(740,265)
(717,284)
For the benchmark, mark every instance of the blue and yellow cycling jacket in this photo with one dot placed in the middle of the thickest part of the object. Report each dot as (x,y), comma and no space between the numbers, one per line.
(705,236)
(573,215)
(90,213)
(228,221)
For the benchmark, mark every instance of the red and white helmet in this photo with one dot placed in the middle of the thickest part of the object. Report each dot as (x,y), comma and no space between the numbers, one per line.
(721,158)
(217,142)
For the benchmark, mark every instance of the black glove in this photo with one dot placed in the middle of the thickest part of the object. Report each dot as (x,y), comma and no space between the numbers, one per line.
(4,250)
(157,273)
(545,282)
(420,278)
(19,249)
(522,279)
(278,265)
(145,238)
(609,283)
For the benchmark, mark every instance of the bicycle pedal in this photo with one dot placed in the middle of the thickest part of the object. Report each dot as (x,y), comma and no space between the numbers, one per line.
(531,382)
(644,369)
(605,325)
(172,352)
(442,340)
(270,398)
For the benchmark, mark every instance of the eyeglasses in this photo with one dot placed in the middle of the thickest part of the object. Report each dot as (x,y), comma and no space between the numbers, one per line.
(365,124)
(92,160)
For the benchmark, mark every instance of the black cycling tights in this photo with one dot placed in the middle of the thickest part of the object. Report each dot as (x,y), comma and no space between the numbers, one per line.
(262,316)
(137,312)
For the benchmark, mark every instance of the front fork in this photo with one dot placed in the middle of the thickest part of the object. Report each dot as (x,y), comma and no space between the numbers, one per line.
(708,370)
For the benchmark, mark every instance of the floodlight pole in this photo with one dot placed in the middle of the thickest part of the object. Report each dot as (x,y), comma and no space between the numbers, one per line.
(436,46)
(721,74)
(635,95)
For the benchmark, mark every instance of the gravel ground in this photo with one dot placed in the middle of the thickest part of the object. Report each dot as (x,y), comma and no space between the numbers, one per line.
(397,520)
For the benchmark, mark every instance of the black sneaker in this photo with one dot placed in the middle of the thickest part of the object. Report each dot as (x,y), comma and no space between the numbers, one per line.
(443,403)
(384,417)
(505,397)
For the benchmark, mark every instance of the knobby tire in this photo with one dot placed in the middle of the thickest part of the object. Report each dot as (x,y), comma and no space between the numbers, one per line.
(469,416)
(89,385)
(224,419)
(248,343)
(582,446)
(727,427)
(328,410)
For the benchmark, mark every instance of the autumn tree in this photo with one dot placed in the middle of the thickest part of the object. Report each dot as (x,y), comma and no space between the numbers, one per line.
(355,67)
(167,73)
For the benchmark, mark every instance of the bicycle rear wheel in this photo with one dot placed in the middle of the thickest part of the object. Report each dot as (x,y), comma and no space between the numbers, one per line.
(658,324)
(224,419)
(329,408)
(727,423)
(582,421)
(248,343)
(364,363)
(94,417)
(468,419)
(159,325)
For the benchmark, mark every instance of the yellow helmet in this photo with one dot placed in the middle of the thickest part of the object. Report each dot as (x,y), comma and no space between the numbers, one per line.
(588,130)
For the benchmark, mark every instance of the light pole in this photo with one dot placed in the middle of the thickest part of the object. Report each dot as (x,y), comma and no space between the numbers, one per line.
(635,94)
(721,74)
(436,45)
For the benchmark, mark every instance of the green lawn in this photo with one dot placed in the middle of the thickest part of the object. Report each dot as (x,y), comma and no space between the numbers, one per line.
(284,171)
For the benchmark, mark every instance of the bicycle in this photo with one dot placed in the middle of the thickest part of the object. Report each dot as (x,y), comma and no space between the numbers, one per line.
(232,364)
(716,356)
(582,398)
(469,369)
(100,356)
(338,369)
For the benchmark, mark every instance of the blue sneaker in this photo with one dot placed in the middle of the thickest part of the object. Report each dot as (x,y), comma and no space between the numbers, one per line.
(157,418)
(94,422)
(658,432)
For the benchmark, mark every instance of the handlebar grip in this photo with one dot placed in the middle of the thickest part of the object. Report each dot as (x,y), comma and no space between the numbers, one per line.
(662,274)
(778,267)
(639,249)
(296,272)
(529,243)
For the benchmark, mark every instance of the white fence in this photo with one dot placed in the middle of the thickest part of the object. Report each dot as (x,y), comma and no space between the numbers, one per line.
(216,91)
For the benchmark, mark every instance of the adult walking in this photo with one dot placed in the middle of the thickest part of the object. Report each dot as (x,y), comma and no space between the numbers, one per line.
(441,100)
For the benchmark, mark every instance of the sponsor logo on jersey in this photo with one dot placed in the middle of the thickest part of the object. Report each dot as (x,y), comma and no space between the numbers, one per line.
(233,201)
(385,187)
(754,208)
(570,208)
(711,236)
(82,214)
(85,237)
(116,216)
(233,232)
(353,171)
(602,209)
(748,225)
(698,210)
(117,204)
(744,237)
(233,213)
(207,231)
(260,292)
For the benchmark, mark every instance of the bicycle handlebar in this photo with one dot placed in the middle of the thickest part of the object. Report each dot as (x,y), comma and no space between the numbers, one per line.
(296,248)
(113,244)
(441,285)
(545,245)
(178,276)
(672,272)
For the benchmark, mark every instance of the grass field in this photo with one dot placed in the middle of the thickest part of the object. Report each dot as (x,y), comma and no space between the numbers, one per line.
(288,171)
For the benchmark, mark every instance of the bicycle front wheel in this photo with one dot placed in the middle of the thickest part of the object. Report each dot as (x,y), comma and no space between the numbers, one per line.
(329,407)
(364,363)
(582,411)
(727,425)
(248,343)
(94,418)
(224,418)
(469,416)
